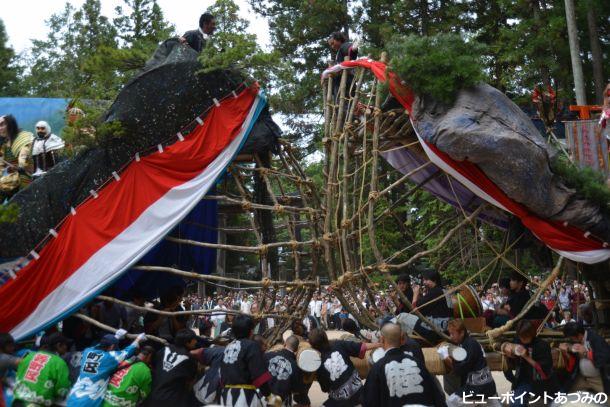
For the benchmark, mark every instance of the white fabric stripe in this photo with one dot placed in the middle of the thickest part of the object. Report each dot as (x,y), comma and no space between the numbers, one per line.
(587,257)
(124,250)
(332,69)
(463,180)
(339,67)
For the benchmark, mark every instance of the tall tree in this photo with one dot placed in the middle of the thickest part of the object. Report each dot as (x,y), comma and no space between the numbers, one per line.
(579,81)
(234,47)
(299,32)
(140,27)
(60,64)
(8,68)
(383,19)
(596,52)
(86,55)
(141,21)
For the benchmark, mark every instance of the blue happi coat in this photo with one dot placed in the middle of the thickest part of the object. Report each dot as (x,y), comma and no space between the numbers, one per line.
(97,366)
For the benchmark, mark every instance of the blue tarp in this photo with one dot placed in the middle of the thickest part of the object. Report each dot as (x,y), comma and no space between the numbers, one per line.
(28,111)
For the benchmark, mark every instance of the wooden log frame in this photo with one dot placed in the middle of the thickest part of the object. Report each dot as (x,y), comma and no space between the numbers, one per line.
(351,169)
(211,312)
(494,333)
(110,329)
(495,360)
(204,277)
(342,219)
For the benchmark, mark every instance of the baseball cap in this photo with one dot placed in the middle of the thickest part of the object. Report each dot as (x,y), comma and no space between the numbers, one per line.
(109,339)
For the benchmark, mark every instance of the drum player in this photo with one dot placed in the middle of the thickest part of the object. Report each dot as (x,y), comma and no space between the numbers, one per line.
(588,360)
(471,367)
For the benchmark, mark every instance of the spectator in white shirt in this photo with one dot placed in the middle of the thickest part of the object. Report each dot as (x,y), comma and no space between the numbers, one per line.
(567,317)
(487,302)
(246,305)
(564,299)
(315,308)
(219,318)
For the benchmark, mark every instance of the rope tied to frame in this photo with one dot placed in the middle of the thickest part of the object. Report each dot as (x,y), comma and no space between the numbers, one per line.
(278,208)
(383,267)
(266,282)
(246,205)
(346,223)
(263,250)
(329,237)
(345,278)
(374,195)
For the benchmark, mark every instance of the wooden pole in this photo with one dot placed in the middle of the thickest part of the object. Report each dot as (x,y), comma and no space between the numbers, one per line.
(494,333)
(203,277)
(113,330)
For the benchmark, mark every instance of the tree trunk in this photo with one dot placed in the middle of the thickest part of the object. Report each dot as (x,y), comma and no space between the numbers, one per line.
(423,17)
(596,54)
(579,83)
(347,19)
(537,9)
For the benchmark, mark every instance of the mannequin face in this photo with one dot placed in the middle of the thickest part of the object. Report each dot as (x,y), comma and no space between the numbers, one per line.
(41,131)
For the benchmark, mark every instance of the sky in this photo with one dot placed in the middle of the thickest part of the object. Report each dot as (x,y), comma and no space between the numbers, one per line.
(25,20)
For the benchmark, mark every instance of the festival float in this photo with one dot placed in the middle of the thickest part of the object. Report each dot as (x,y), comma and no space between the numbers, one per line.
(201,159)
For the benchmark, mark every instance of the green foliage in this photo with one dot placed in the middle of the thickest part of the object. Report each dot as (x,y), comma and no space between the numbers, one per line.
(144,24)
(587,182)
(140,27)
(60,64)
(438,65)
(86,55)
(91,130)
(526,41)
(8,70)
(233,47)
(384,19)
(8,213)
(299,31)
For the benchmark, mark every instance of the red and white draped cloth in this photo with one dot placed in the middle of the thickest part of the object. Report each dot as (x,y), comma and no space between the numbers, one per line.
(109,233)
(567,240)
